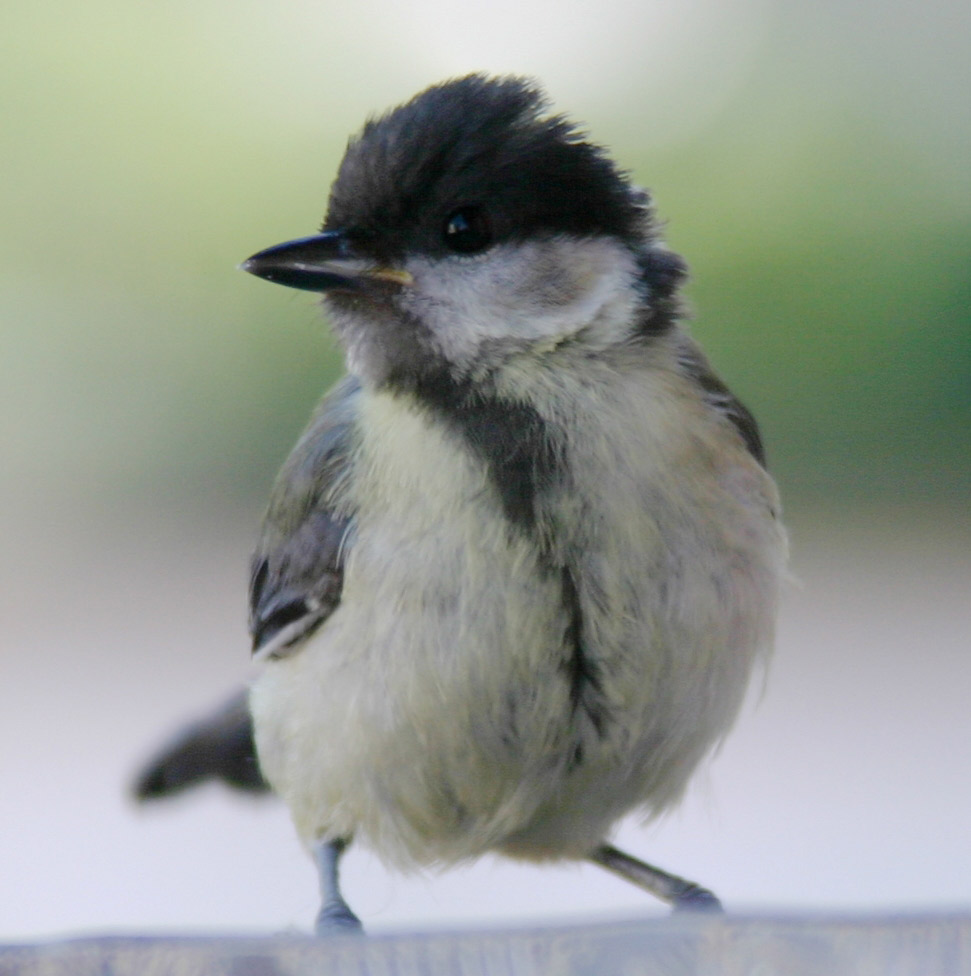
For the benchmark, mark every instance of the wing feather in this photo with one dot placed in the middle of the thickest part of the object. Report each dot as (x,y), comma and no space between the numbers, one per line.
(297,570)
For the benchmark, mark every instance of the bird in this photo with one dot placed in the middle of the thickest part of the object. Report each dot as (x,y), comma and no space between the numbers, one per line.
(517,573)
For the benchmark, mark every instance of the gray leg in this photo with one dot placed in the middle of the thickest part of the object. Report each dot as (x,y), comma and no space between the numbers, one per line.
(334,916)
(683,895)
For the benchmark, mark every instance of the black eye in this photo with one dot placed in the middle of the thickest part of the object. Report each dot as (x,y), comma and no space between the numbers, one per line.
(467,230)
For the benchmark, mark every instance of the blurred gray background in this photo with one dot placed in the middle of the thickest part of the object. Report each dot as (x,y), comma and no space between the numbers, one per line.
(814,164)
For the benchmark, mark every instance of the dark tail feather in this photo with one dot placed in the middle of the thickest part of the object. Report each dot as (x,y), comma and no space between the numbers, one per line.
(219,747)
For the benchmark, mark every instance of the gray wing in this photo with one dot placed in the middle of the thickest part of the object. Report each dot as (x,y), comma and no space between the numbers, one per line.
(297,572)
(718,396)
(298,568)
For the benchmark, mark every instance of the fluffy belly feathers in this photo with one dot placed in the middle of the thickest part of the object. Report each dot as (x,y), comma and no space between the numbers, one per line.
(435,715)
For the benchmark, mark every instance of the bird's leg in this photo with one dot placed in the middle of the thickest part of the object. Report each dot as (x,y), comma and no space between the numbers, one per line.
(683,895)
(334,916)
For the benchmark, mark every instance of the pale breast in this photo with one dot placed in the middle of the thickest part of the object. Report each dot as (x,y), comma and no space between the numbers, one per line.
(427,710)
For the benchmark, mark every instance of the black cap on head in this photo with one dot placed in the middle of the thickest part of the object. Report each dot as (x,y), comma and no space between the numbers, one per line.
(481,146)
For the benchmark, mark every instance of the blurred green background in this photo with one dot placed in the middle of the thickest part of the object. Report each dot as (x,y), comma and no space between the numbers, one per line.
(813,161)
(814,167)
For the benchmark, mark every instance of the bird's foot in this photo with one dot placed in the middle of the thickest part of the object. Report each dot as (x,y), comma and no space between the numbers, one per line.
(335,918)
(694,898)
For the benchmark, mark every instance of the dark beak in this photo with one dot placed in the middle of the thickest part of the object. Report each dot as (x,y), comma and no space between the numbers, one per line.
(324,262)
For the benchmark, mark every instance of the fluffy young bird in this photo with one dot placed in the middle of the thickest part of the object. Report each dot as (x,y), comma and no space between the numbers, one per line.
(517,572)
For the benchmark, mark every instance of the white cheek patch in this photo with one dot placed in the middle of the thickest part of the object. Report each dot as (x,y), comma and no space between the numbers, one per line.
(531,294)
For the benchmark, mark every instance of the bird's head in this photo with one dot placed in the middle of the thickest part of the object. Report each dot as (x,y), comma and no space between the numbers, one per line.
(467,228)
